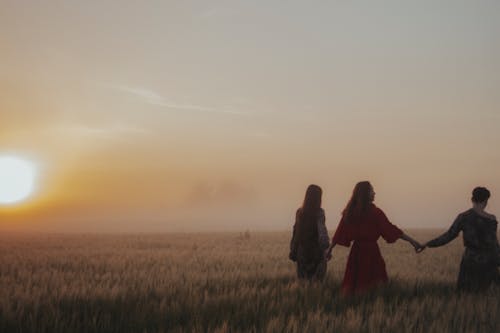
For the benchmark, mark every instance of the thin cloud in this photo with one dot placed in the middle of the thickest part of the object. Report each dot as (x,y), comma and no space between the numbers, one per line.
(154,98)
(148,95)
(111,131)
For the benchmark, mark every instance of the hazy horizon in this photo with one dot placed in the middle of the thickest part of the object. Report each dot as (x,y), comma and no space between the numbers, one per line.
(197,116)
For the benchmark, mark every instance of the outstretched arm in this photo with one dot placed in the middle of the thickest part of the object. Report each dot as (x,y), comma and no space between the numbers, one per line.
(416,245)
(448,236)
(342,236)
(328,252)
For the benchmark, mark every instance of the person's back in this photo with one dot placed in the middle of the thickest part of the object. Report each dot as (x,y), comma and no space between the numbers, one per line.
(369,227)
(310,237)
(479,232)
(362,224)
(478,268)
(308,248)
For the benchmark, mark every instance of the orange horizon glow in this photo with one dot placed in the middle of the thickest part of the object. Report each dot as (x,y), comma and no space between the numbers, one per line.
(193,117)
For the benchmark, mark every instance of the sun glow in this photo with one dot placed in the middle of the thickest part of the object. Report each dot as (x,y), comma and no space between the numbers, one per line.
(17,179)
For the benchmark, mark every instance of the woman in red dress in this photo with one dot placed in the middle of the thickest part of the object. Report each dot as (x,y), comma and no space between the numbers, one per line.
(363,223)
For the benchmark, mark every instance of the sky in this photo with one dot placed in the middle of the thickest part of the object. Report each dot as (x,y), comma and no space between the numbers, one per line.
(216,115)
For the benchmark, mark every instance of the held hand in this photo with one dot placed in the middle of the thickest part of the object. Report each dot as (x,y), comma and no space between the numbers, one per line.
(420,248)
(417,246)
(328,254)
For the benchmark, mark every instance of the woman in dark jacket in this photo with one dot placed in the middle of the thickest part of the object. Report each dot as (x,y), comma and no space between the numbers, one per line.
(310,237)
(479,266)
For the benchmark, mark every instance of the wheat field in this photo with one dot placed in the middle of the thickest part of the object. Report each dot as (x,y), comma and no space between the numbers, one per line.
(226,282)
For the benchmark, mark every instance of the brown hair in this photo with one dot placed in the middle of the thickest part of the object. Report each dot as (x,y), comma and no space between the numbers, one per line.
(312,200)
(306,223)
(359,202)
(480,194)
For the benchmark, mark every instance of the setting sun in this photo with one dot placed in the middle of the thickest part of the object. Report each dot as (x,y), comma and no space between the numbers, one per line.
(17,179)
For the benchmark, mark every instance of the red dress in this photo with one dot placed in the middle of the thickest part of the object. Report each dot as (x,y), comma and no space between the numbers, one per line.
(365,266)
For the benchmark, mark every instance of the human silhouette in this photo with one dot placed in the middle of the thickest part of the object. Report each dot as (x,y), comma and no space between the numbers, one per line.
(479,265)
(363,223)
(310,237)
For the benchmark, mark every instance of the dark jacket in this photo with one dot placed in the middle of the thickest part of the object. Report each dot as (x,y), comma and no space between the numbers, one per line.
(478,268)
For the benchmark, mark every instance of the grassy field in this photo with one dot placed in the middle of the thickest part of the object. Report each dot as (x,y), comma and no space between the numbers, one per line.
(223,283)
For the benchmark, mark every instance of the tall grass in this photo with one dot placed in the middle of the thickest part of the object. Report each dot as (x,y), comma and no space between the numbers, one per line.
(222,283)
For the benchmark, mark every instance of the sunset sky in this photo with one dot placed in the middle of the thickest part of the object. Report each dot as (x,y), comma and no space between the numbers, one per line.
(216,115)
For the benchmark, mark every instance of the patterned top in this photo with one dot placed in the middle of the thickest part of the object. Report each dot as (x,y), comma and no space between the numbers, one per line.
(479,234)
(323,239)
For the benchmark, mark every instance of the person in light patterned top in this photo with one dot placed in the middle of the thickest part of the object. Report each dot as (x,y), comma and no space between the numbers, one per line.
(479,265)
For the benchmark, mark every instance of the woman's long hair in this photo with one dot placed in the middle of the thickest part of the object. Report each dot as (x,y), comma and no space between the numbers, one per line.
(307,226)
(312,200)
(360,201)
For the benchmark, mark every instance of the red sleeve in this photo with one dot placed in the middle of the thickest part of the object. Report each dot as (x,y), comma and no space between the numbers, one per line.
(388,231)
(342,235)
